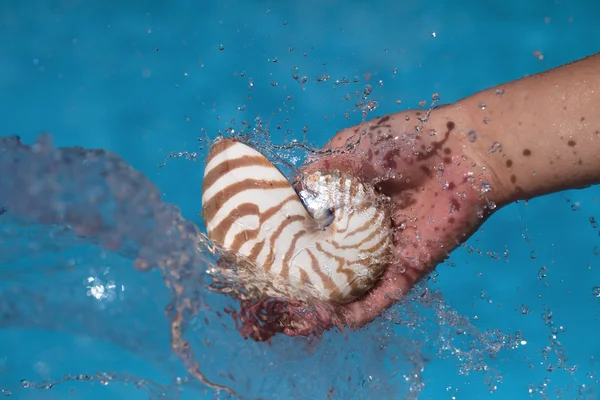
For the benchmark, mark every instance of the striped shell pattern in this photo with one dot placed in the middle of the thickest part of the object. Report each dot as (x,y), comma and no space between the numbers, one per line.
(333,236)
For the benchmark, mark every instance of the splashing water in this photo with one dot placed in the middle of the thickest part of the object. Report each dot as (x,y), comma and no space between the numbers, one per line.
(87,240)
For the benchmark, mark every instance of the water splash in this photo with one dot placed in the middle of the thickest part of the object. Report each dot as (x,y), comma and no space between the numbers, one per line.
(75,220)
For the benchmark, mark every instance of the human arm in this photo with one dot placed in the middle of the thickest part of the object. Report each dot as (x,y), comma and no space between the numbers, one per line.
(447,171)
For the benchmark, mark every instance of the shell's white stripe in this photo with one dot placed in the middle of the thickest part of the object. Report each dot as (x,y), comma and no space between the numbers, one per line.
(240,174)
(236,150)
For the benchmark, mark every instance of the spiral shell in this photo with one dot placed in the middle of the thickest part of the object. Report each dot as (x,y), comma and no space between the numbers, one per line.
(333,236)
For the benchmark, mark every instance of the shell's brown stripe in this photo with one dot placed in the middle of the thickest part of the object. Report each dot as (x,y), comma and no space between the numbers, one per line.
(229,165)
(243,237)
(325,280)
(383,242)
(343,189)
(356,245)
(243,210)
(341,214)
(212,206)
(365,205)
(285,269)
(340,260)
(271,256)
(219,232)
(218,148)
(256,249)
(364,227)
(354,190)
(347,223)
(304,278)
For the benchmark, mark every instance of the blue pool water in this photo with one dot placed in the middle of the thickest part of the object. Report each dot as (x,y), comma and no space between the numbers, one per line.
(143,79)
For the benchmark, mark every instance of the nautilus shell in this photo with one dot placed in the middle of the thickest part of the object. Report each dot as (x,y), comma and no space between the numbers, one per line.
(331,237)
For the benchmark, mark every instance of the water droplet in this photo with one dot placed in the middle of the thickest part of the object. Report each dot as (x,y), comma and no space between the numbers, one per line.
(576,206)
(495,147)
(593,223)
(422,103)
(25,383)
(6,392)
(499,92)
(486,121)
(524,309)
(432,132)
(221,47)
(472,135)
(482,106)
(433,34)
(407,118)
(491,205)
(435,97)
(596,291)
(542,273)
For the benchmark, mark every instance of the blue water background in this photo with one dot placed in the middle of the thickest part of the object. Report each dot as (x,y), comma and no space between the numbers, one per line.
(143,78)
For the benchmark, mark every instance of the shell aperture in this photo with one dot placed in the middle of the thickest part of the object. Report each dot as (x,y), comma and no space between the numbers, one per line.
(332,237)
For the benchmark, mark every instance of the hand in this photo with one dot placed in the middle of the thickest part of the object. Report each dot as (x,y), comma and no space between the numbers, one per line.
(439,185)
